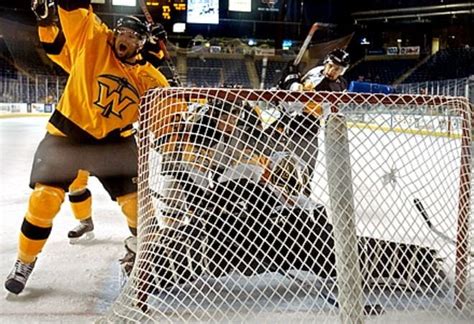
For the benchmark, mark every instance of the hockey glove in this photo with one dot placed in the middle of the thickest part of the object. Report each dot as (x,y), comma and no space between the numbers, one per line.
(158,33)
(290,76)
(45,12)
(173,82)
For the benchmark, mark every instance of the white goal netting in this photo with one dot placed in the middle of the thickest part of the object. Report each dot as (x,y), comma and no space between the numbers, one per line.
(259,206)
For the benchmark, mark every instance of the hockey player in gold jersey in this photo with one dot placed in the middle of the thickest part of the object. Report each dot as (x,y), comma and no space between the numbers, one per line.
(91,127)
(52,39)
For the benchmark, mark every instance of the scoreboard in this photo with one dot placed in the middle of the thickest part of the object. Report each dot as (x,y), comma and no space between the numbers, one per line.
(230,18)
(199,11)
(168,10)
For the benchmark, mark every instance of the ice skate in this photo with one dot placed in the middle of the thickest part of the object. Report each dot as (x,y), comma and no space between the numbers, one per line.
(17,278)
(129,258)
(82,232)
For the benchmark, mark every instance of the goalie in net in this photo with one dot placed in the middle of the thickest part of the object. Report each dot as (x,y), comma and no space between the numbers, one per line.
(233,195)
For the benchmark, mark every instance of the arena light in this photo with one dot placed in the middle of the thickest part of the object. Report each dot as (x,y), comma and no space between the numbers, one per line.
(364,41)
(240,5)
(286,44)
(179,27)
(127,3)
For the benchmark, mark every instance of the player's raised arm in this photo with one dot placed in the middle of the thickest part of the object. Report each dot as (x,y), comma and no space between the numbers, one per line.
(50,33)
(79,24)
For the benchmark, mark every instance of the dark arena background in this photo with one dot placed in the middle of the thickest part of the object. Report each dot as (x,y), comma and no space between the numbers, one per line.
(237,254)
(413,45)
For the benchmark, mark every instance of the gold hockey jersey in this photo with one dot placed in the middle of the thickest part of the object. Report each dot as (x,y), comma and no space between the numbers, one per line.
(53,41)
(102,95)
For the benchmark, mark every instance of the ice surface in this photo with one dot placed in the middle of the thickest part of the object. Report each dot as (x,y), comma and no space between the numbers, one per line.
(77,283)
(71,283)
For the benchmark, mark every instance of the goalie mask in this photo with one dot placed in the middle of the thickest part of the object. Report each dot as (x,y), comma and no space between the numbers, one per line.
(130,36)
(336,63)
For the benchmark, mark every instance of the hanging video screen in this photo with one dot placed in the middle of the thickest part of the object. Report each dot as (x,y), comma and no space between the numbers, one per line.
(203,11)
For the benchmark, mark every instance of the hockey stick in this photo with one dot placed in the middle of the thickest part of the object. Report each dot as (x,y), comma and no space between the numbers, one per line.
(294,65)
(168,61)
(307,40)
(424,214)
(369,309)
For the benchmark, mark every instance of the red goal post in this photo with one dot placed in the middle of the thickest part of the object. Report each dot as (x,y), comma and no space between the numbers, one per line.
(251,201)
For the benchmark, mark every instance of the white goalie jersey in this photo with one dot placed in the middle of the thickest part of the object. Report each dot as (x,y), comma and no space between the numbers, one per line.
(310,80)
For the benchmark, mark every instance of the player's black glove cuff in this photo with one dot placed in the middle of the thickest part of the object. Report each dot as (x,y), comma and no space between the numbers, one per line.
(173,83)
(291,68)
(45,12)
(288,80)
(290,75)
(158,32)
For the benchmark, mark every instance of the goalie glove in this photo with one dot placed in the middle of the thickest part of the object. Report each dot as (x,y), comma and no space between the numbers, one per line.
(45,12)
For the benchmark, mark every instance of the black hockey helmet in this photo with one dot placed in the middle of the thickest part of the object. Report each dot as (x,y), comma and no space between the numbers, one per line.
(134,24)
(339,57)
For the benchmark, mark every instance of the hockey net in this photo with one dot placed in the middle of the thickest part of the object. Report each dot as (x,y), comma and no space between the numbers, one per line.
(260,205)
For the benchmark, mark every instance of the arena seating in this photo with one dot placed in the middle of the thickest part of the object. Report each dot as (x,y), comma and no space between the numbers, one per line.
(273,72)
(211,72)
(7,70)
(450,63)
(385,4)
(21,54)
(381,71)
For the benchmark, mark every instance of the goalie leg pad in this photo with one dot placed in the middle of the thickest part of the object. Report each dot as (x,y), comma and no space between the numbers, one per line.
(415,266)
(297,239)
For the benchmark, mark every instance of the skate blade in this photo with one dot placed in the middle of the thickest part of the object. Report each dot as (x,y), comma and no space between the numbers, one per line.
(123,277)
(9,296)
(87,237)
